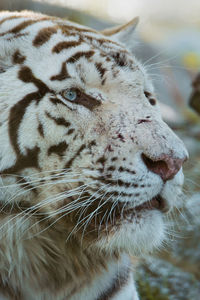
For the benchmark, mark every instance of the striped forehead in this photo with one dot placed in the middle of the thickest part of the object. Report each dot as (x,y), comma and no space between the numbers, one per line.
(40,30)
(64,49)
(81,52)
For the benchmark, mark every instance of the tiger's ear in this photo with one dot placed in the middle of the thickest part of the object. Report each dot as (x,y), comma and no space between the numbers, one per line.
(123,33)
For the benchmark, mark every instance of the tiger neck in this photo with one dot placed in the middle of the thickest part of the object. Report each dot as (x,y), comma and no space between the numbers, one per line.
(45,257)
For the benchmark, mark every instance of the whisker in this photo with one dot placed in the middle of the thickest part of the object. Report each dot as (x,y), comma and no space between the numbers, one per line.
(38,180)
(87,218)
(23,192)
(89,202)
(156,55)
(95,212)
(26,212)
(192,181)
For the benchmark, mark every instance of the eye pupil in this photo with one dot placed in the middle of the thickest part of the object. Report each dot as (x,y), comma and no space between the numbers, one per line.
(70,95)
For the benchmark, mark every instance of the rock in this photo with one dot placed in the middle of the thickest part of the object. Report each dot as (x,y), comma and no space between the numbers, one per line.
(158,279)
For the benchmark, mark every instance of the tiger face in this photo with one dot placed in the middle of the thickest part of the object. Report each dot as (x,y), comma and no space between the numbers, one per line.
(83,145)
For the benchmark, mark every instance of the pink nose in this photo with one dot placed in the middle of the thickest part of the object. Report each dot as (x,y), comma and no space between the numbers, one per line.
(165,166)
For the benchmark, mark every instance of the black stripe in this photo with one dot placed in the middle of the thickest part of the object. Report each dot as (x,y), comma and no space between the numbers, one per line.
(63,73)
(58,149)
(18,110)
(78,152)
(118,283)
(9,18)
(118,182)
(23,25)
(116,193)
(121,169)
(100,69)
(17,35)
(18,58)
(40,129)
(101,160)
(58,121)
(55,100)
(30,160)
(44,36)
(80,54)
(16,115)
(111,168)
(20,27)
(65,45)
(70,131)
(26,75)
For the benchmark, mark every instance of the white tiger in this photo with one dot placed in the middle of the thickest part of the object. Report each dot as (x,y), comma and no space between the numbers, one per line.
(88,167)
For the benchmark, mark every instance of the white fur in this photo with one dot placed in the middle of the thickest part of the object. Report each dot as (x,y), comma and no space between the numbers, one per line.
(123,106)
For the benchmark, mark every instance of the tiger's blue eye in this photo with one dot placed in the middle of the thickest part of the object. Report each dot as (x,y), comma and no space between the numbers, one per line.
(70,95)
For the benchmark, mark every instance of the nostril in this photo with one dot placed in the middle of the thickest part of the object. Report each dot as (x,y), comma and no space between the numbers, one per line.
(166,167)
(159,167)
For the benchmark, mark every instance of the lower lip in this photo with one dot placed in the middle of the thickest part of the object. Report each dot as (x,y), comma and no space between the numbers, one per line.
(157,203)
(154,203)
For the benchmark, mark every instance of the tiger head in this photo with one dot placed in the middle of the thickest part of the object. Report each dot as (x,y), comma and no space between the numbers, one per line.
(83,145)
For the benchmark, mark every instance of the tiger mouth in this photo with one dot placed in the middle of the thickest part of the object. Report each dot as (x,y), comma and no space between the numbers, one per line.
(122,213)
(156,203)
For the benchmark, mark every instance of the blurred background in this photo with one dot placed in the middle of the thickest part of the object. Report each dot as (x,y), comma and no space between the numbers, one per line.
(167,41)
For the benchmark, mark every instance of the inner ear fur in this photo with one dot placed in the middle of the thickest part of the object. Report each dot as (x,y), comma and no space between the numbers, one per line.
(123,33)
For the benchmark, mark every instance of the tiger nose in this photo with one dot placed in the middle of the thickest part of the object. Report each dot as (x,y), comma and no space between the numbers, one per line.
(165,166)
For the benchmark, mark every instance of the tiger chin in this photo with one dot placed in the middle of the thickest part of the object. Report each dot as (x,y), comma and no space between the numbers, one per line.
(88,167)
